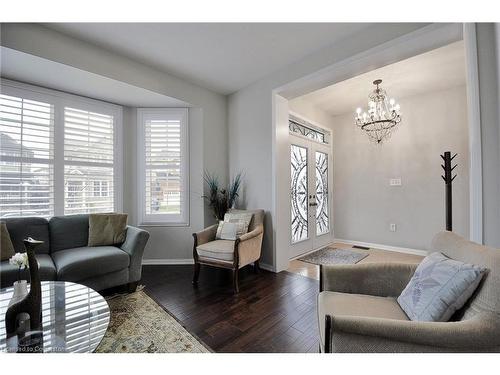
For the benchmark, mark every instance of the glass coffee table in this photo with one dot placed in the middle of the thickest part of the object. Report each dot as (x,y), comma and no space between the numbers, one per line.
(75,318)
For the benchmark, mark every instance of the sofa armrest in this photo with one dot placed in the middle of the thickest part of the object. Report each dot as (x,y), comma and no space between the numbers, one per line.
(376,279)
(480,332)
(206,235)
(134,245)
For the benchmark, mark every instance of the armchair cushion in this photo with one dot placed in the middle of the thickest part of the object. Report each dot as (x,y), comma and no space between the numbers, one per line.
(357,305)
(480,333)
(218,250)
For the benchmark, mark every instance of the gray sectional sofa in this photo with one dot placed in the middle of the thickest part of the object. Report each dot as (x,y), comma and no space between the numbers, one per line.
(65,255)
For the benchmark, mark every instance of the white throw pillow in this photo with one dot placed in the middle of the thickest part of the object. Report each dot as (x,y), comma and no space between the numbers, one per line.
(439,287)
(231,230)
(237,217)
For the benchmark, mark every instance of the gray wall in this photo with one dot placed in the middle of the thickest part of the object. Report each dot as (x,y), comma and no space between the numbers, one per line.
(365,204)
(208,133)
(250,120)
(166,243)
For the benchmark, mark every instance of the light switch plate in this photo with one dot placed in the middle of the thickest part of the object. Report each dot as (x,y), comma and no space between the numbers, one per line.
(392,227)
(395,181)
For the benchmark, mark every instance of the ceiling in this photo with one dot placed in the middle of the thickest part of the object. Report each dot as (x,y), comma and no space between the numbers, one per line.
(436,70)
(24,67)
(223,57)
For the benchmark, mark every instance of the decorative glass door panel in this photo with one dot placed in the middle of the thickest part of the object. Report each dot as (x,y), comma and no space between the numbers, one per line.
(310,224)
(322,212)
(298,193)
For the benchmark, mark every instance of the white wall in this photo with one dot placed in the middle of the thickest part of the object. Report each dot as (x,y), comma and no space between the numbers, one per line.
(364,203)
(208,137)
(250,120)
(489,73)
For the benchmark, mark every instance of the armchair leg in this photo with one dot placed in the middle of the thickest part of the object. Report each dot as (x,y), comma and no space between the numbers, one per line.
(235,281)
(328,334)
(256,266)
(196,274)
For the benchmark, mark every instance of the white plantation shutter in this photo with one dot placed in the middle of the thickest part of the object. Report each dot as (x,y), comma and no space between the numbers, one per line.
(26,157)
(88,162)
(59,153)
(164,166)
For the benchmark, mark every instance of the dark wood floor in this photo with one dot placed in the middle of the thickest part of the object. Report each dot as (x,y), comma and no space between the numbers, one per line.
(272,313)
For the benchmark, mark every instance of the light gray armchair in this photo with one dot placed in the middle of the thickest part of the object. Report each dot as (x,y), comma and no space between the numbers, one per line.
(358,311)
(229,254)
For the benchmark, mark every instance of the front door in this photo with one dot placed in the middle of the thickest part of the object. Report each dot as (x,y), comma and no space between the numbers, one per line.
(310,198)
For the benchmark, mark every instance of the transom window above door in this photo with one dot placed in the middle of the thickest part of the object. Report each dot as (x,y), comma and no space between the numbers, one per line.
(301,127)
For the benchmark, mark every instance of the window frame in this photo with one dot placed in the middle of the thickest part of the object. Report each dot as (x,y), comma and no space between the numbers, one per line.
(163,220)
(60,100)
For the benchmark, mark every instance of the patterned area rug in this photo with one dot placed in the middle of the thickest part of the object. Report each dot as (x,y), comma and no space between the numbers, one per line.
(333,255)
(139,325)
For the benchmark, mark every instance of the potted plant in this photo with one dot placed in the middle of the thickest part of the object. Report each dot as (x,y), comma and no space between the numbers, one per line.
(221,199)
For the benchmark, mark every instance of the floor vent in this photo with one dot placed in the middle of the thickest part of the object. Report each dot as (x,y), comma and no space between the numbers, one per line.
(360,247)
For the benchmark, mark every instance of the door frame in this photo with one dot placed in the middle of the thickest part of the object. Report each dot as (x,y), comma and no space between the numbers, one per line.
(420,41)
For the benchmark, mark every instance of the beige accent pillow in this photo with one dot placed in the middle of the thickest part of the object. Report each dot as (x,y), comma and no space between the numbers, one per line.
(107,229)
(231,230)
(6,247)
(232,217)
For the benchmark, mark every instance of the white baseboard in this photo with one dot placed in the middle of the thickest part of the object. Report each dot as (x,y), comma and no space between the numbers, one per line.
(148,262)
(384,247)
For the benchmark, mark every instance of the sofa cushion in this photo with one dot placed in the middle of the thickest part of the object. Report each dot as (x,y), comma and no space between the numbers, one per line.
(439,287)
(47,271)
(6,247)
(22,227)
(333,303)
(107,229)
(85,262)
(219,250)
(68,232)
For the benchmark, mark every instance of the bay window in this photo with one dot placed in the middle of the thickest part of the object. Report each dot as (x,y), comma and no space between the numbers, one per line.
(59,153)
(163,166)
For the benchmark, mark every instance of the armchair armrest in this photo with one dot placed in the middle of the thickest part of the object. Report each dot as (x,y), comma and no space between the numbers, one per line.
(252,234)
(248,247)
(376,279)
(206,235)
(480,332)
(134,245)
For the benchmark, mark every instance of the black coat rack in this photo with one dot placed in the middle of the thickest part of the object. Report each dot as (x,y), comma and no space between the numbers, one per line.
(448,179)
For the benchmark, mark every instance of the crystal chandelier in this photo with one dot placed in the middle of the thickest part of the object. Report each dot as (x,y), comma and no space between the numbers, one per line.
(382,116)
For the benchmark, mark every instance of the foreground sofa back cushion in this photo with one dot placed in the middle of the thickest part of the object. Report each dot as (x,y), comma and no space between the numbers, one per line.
(67,232)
